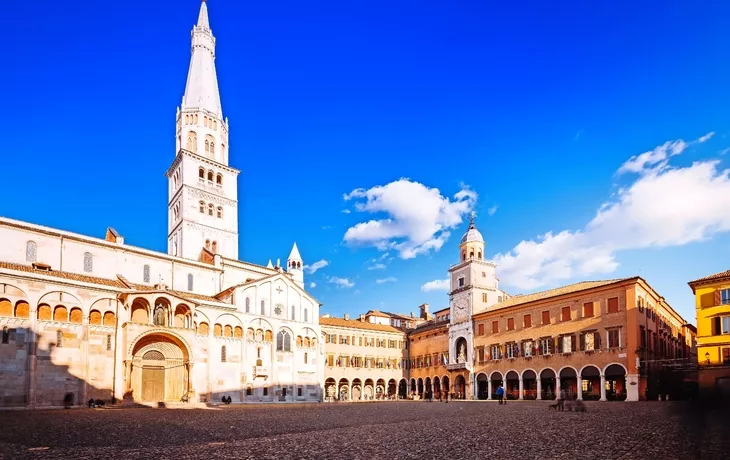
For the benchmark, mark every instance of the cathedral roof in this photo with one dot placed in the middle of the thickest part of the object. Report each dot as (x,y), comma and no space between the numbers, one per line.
(201,90)
(472,235)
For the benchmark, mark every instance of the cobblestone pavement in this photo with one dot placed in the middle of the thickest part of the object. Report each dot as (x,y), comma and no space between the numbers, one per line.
(407,430)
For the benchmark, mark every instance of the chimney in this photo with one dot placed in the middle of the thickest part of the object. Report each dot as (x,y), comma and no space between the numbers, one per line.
(347,317)
(362,318)
(424,312)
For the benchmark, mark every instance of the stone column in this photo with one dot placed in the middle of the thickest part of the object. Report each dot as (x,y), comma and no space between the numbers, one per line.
(489,388)
(557,387)
(603,388)
(539,388)
(522,389)
(580,388)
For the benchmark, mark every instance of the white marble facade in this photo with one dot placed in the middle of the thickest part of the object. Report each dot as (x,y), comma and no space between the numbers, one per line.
(99,318)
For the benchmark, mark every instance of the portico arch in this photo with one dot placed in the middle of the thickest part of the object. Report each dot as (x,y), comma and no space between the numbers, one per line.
(159,368)
(482,386)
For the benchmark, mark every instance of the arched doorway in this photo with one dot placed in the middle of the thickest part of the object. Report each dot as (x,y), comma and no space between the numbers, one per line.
(403,389)
(569,382)
(380,389)
(391,389)
(428,389)
(420,388)
(445,387)
(344,390)
(482,386)
(547,384)
(413,387)
(369,390)
(436,388)
(356,390)
(159,369)
(512,385)
(529,384)
(496,379)
(591,383)
(615,383)
(459,387)
(330,389)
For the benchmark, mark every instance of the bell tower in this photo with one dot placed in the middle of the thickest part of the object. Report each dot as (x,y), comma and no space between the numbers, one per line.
(203,189)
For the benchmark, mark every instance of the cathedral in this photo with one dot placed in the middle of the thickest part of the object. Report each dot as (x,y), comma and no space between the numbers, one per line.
(98,318)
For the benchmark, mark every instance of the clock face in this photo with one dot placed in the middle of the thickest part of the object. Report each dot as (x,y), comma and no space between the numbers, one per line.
(460,308)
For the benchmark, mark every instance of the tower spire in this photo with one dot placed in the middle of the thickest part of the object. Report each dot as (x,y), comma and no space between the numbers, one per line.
(201,90)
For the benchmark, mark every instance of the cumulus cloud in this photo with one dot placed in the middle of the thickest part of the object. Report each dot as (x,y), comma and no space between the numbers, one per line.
(312,284)
(436,285)
(315,266)
(345,211)
(416,220)
(492,210)
(340,282)
(326,227)
(377,266)
(390,279)
(664,206)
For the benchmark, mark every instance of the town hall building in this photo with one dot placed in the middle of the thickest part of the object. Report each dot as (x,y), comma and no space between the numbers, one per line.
(99,318)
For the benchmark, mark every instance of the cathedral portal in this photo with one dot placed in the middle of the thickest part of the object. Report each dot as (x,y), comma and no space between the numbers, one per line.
(159,369)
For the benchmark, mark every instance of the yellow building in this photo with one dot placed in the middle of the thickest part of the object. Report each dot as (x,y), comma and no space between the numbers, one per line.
(712,294)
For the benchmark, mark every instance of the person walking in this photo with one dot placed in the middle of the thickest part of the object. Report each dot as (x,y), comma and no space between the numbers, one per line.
(500,394)
(561,400)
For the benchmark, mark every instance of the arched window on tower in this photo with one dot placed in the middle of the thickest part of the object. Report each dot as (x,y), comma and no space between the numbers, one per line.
(201,173)
(219,212)
(30,251)
(283,341)
(471,255)
(463,256)
(480,255)
(214,247)
(207,146)
(219,179)
(201,207)
(210,176)
(207,244)
(88,262)
(210,209)
(248,305)
(192,142)
(212,147)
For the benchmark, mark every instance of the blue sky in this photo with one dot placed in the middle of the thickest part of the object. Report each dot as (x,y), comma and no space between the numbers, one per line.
(529,109)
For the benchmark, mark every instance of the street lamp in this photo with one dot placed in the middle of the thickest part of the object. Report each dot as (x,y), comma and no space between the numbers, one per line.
(707,357)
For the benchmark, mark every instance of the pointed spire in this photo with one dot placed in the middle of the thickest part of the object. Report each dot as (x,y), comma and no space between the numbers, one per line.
(201,90)
(294,254)
(203,16)
(269,265)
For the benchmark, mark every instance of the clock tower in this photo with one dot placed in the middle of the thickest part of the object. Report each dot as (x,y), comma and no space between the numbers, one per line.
(474,288)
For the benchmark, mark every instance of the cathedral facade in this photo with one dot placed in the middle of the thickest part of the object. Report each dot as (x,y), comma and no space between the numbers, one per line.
(98,318)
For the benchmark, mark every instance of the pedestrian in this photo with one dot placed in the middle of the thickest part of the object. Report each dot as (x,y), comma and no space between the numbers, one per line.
(561,400)
(500,394)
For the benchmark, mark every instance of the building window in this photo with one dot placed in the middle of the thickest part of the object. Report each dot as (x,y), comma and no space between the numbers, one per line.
(613,305)
(219,212)
(510,324)
(527,321)
(210,209)
(588,309)
(721,325)
(565,314)
(6,334)
(614,338)
(283,341)
(214,247)
(263,307)
(495,352)
(30,251)
(481,329)
(546,317)
(567,343)
(88,262)
(725,297)
(59,339)
(642,336)
(146,274)
(249,391)
(527,347)
(108,342)
(223,354)
(210,176)
(461,282)
(190,281)
(248,305)
(547,346)
(201,174)
(219,179)
(726,356)
(495,327)
(266,391)
(201,207)
(484,297)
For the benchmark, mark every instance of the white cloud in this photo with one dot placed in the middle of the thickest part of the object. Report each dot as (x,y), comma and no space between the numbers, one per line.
(724,151)
(326,227)
(312,285)
(390,279)
(663,207)
(377,266)
(417,221)
(492,210)
(340,282)
(345,211)
(706,137)
(316,266)
(436,285)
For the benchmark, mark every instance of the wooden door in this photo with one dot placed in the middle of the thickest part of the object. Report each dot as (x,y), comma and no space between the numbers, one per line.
(153,383)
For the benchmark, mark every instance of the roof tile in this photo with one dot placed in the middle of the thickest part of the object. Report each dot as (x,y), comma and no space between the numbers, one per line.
(356,324)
